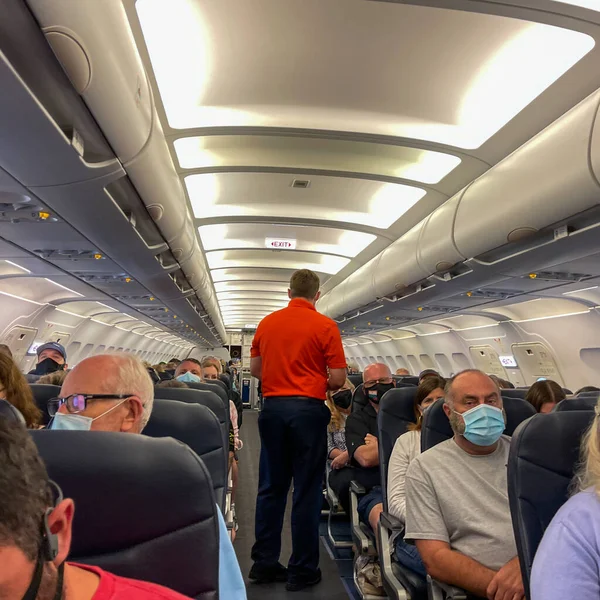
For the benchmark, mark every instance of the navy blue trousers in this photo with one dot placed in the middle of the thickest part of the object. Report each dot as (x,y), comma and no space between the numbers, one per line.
(293,434)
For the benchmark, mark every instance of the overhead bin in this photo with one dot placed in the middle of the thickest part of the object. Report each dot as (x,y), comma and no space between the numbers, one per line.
(549,179)
(95,45)
(546,180)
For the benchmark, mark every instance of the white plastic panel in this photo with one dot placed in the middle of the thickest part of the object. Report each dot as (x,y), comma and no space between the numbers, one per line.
(279,276)
(486,359)
(546,180)
(535,360)
(19,339)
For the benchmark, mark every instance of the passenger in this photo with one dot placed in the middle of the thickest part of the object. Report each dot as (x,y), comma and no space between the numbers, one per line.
(213,360)
(406,448)
(352,368)
(402,372)
(172,383)
(339,404)
(32,522)
(209,369)
(51,357)
(363,447)
(545,395)
(298,355)
(56,378)
(189,371)
(567,562)
(107,392)
(457,500)
(113,392)
(428,373)
(587,388)
(15,389)
(501,383)
(5,349)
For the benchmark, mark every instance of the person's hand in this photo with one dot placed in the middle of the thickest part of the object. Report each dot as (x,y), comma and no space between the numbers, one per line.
(340,461)
(370,440)
(507,584)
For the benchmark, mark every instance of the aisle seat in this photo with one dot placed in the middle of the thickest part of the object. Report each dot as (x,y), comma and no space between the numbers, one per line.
(577,403)
(356,379)
(544,454)
(145,508)
(396,413)
(213,387)
(41,394)
(198,427)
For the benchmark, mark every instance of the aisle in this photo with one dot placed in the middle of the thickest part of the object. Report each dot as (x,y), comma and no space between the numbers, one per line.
(331,587)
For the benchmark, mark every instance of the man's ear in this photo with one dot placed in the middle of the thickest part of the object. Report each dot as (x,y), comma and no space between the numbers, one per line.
(289,293)
(318,295)
(447,410)
(60,523)
(132,421)
(65,367)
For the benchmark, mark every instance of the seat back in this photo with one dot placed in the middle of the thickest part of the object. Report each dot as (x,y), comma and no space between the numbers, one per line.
(208,399)
(11,413)
(543,456)
(412,379)
(592,394)
(359,398)
(226,379)
(198,427)
(217,383)
(436,427)
(41,394)
(396,413)
(578,403)
(214,387)
(356,379)
(145,508)
(516,393)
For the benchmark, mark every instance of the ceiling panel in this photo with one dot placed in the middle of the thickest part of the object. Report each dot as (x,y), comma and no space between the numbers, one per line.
(249,287)
(272,196)
(311,239)
(255,276)
(206,152)
(443,93)
(252,295)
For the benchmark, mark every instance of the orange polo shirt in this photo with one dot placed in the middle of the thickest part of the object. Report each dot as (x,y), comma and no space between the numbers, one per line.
(296,345)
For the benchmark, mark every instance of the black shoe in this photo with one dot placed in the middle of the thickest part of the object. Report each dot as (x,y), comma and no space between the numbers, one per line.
(299,582)
(268,574)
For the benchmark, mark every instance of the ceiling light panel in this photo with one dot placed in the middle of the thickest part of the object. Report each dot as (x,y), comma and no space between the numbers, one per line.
(324,263)
(461,100)
(311,239)
(253,295)
(247,287)
(255,276)
(205,152)
(251,302)
(591,4)
(271,196)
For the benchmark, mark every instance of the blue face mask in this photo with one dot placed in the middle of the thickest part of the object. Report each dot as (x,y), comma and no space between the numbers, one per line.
(189,377)
(68,422)
(484,424)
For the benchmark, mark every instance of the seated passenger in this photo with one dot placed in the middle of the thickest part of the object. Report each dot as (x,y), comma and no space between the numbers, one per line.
(501,383)
(545,395)
(15,389)
(51,357)
(457,508)
(56,378)
(567,562)
(113,392)
(189,371)
(29,568)
(587,388)
(428,373)
(363,447)
(406,448)
(352,367)
(402,372)
(172,383)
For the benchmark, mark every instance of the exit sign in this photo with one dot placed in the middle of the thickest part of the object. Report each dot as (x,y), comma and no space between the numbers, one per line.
(280,244)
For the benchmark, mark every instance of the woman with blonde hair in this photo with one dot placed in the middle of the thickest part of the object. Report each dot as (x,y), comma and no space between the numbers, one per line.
(339,404)
(567,562)
(15,389)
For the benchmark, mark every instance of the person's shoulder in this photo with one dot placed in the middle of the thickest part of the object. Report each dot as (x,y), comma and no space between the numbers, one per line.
(581,509)
(436,455)
(408,439)
(133,589)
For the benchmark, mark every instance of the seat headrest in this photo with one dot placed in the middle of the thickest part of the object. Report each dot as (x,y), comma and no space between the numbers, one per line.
(516,393)
(359,398)
(213,386)
(11,413)
(193,396)
(543,456)
(436,427)
(41,394)
(356,379)
(226,379)
(412,379)
(145,507)
(578,403)
(198,427)
(398,403)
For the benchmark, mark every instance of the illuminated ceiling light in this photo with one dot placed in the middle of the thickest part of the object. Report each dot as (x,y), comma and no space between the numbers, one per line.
(68,312)
(24,299)
(570,314)
(63,287)
(591,4)
(151,298)
(106,306)
(97,256)
(594,287)
(532,275)
(43,215)
(17,266)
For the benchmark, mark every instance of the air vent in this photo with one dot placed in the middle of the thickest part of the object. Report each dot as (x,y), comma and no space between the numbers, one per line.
(301,183)
(558,276)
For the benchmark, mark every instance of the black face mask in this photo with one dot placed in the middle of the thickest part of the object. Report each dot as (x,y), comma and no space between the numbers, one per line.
(343,399)
(47,366)
(375,394)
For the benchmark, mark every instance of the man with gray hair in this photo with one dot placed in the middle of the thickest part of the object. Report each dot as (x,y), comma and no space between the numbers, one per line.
(107,392)
(457,497)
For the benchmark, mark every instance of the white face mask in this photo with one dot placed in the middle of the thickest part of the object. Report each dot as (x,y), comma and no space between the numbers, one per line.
(68,422)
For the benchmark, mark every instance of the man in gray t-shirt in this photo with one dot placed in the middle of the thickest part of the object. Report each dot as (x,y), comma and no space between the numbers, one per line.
(457,508)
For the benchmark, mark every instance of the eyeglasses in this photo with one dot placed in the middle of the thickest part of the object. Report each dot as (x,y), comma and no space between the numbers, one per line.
(77,403)
(374,382)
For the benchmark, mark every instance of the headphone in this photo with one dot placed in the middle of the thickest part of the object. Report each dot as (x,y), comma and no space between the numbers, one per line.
(49,539)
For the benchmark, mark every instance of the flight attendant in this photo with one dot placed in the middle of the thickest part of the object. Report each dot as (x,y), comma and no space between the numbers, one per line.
(297,354)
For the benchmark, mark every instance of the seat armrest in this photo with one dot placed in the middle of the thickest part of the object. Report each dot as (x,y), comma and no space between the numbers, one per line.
(357,488)
(391,523)
(444,591)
